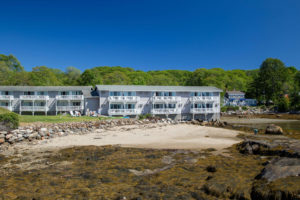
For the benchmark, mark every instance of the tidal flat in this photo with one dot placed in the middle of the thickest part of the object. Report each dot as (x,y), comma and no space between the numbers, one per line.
(142,162)
(112,172)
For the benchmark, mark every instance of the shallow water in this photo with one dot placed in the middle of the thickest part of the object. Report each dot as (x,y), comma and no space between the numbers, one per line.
(262,123)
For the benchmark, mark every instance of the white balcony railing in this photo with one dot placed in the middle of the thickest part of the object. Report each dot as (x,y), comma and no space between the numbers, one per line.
(165,111)
(7,97)
(69,108)
(123,98)
(69,97)
(34,97)
(203,110)
(124,112)
(7,107)
(166,98)
(34,108)
(204,98)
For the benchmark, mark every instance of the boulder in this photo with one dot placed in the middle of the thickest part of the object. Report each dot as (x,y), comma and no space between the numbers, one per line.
(274,129)
(280,168)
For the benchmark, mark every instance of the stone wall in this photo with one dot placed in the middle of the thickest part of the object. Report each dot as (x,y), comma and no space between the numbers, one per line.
(41,131)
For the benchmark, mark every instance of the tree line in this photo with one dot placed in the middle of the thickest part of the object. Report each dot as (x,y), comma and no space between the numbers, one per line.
(272,83)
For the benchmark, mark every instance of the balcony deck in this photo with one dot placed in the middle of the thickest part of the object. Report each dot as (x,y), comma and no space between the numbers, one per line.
(70,97)
(123,98)
(204,98)
(124,112)
(7,97)
(165,111)
(69,108)
(203,110)
(166,99)
(34,108)
(34,97)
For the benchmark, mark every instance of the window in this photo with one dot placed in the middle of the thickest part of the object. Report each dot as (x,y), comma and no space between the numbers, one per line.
(62,103)
(64,93)
(129,106)
(76,93)
(159,94)
(4,104)
(75,103)
(209,105)
(158,106)
(28,93)
(114,93)
(39,103)
(171,105)
(41,93)
(116,106)
(27,103)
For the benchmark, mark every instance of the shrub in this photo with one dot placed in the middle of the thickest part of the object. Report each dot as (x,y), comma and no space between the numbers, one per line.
(224,109)
(244,108)
(146,116)
(229,108)
(10,120)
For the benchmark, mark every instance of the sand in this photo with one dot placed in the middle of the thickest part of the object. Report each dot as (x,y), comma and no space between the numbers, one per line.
(180,136)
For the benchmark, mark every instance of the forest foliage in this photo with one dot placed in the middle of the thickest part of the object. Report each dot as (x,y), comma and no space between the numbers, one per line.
(269,83)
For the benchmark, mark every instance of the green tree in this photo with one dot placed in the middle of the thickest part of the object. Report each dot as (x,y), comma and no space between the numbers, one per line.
(271,78)
(89,77)
(43,76)
(72,76)
(10,63)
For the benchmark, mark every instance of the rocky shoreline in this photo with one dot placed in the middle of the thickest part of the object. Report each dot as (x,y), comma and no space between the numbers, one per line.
(43,131)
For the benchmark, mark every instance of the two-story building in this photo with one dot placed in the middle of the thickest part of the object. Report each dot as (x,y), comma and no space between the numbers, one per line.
(237,98)
(44,99)
(180,102)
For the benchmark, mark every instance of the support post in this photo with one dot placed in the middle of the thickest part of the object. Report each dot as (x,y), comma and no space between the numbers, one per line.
(33,107)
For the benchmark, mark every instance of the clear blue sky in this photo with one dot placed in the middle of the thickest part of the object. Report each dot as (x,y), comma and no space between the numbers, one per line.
(152,34)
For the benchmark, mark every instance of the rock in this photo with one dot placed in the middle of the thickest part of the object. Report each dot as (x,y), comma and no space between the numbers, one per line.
(2,140)
(167,160)
(43,129)
(271,145)
(8,136)
(280,168)
(273,129)
(211,168)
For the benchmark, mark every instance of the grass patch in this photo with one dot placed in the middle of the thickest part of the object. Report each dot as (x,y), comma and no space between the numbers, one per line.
(58,118)
(3,111)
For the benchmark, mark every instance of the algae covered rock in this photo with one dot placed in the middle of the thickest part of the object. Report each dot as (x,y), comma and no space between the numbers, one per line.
(281,168)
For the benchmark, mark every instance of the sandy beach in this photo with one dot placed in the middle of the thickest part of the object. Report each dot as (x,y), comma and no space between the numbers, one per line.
(180,136)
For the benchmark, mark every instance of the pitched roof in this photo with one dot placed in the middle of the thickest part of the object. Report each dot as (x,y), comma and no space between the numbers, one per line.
(235,92)
(45,88)
(153,88)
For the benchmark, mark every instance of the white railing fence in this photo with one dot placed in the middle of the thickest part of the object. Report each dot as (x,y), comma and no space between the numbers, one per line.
(204,98)
(70,97)
(69,108)
(34,97)
(123,98)
(204,110)
(34,108)
(165,111)
(166,98)
(6,97)
(124,112)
